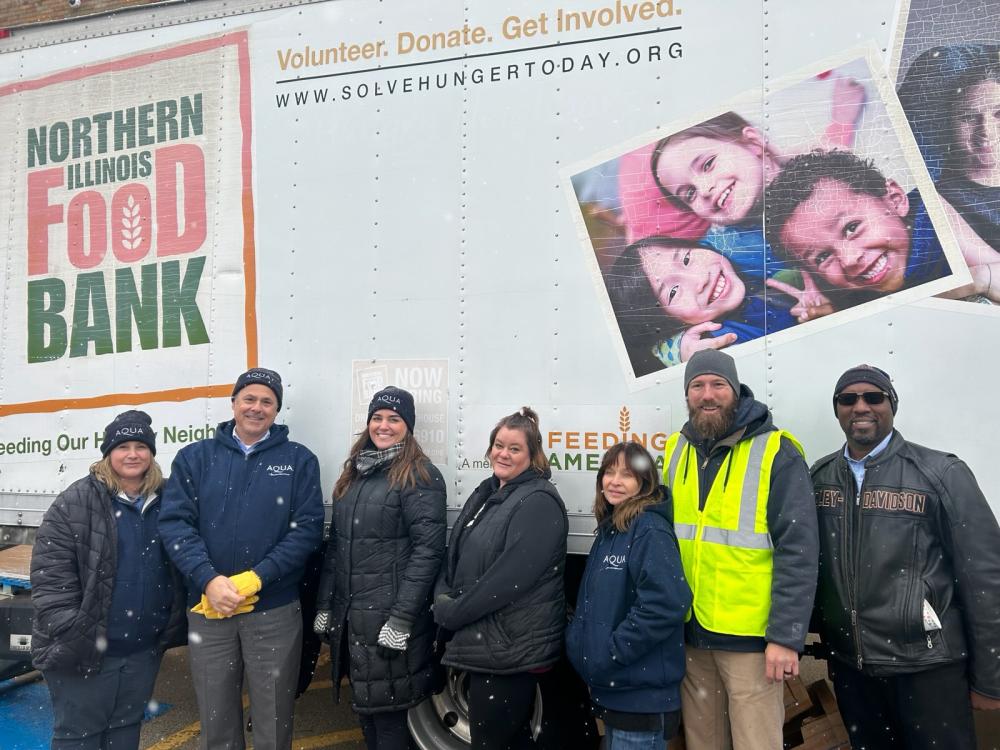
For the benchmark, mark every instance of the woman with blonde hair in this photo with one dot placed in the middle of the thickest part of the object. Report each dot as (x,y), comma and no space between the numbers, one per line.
(107,601)
(626,639)
(501,592)
(385,550)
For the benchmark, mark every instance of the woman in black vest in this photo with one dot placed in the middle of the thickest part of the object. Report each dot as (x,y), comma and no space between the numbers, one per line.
(501,592)
(107,602)
(385,551)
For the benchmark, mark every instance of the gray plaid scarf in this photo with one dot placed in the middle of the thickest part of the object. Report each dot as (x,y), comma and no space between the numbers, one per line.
(369,460)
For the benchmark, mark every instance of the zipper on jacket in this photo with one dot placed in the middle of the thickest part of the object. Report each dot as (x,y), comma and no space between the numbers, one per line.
(850,561)
(350,536)
(584,598)
(251,473)
(491,500)
(705,487)
(857,637)
(475,515)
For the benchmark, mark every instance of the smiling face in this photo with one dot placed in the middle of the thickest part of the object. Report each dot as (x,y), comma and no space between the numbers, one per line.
(711,405)
(692,284)
(719,180)
(977,132)
(254,409)
(619,483)
(852,240)
(386,428)
(865,425)
(509,455)
(130,461)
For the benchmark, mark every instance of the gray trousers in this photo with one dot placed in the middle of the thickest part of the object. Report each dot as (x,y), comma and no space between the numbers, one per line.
(262,648)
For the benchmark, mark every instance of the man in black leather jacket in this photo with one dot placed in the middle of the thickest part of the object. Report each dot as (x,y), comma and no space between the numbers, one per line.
(909,579)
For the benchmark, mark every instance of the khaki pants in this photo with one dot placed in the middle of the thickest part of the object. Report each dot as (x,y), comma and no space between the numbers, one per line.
(725,696)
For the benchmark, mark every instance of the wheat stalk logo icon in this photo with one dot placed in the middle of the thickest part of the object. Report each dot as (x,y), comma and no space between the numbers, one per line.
(131,229)
(624,420)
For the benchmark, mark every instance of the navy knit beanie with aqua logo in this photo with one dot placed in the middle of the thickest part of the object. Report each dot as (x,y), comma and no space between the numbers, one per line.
(260,376)
(129,425)
(397,400)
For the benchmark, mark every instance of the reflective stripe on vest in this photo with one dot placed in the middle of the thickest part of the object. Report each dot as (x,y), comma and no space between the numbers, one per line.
(725,548)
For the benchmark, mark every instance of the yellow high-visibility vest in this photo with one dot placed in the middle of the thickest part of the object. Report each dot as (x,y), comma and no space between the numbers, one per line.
(726,548)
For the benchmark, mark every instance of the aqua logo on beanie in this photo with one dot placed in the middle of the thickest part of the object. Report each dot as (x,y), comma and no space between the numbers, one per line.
(129,425)
(397,400)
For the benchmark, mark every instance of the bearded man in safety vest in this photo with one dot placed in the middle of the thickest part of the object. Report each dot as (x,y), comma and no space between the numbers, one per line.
(746,525)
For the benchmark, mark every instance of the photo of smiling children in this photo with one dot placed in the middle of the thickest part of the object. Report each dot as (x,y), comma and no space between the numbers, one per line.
(947,64)
(951,96)
(667,293)
(675,226)
(836,216)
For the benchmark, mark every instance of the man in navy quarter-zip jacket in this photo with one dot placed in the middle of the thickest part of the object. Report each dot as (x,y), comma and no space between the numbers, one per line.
(908,601)
(242,512)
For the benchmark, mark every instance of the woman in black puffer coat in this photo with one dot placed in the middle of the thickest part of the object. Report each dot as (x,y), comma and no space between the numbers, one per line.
(501,590)
(107,601)
(386,546)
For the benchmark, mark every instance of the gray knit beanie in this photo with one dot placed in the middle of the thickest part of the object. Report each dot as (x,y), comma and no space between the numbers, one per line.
(712,362)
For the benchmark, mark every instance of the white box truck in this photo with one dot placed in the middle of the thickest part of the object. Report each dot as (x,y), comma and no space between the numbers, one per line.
(442,196)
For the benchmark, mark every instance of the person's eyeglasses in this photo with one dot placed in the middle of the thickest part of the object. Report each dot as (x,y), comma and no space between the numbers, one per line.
(872,398)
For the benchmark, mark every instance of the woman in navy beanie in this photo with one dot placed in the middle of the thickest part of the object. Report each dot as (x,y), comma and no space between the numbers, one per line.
(105,597)
(387,540)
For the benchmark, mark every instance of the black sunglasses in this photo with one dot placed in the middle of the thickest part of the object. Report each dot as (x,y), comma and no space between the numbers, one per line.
(872,398)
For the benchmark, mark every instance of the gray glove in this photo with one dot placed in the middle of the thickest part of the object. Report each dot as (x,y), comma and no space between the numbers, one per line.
(393,636)
(321,625)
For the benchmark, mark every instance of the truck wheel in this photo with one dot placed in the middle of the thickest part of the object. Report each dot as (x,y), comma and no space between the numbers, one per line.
(442,721)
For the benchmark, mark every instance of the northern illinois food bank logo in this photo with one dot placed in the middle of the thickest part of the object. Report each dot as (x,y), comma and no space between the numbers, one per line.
(582,449)
(126,185)
(130,210)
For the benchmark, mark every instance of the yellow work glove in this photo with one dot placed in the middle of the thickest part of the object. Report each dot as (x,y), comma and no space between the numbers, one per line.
(247,583)
(205,609)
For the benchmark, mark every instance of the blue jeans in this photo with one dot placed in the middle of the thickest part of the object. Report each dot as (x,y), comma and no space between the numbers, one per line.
(620,739)
(103,709)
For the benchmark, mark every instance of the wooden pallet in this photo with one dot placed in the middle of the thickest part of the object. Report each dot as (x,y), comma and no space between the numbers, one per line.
(818,727)
(15,563)
(798,702)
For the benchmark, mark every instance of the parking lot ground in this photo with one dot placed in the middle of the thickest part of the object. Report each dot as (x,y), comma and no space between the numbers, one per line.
(172,719)
(26,713)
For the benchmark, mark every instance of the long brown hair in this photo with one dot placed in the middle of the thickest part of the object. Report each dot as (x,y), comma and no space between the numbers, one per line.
(151,482)
(638,461)
(404,471)
(526,421)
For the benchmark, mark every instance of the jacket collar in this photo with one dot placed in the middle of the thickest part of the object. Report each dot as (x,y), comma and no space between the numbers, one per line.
(660,508)
(492,484)
(224,436)
(896,444)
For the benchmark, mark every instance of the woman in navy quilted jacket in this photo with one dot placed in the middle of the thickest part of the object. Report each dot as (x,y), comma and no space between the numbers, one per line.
(105,596)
